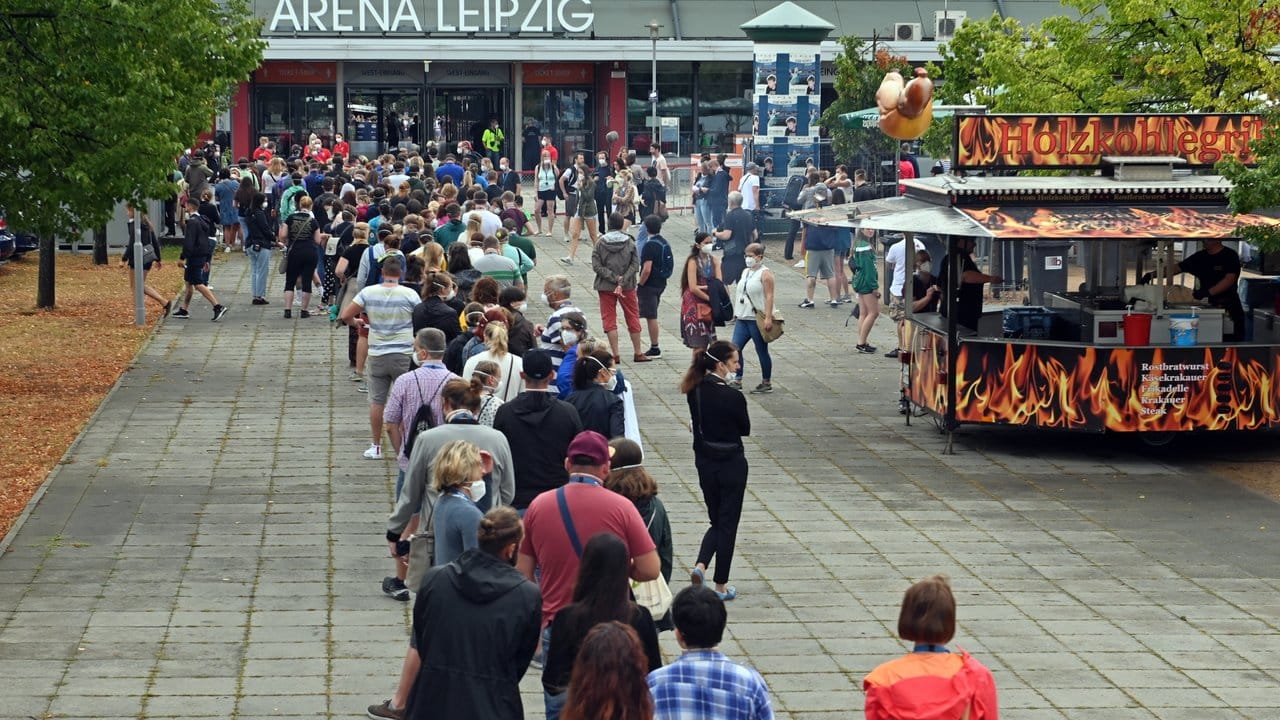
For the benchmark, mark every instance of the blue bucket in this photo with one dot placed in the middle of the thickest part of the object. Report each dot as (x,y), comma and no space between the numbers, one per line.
(1183,329)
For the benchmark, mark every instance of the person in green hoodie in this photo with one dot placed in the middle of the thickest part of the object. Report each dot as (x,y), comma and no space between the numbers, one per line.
(447,233)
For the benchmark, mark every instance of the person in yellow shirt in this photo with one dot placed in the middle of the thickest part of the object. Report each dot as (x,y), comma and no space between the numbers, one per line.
(492,140)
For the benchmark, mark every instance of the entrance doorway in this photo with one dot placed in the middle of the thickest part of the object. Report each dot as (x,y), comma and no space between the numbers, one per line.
(566,115)
(382,119)
(464,113)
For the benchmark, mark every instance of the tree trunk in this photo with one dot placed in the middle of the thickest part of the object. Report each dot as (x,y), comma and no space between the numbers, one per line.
(44,282)
(100,246)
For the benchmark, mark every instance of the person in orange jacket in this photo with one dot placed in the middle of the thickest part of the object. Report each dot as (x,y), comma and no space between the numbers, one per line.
(930,682)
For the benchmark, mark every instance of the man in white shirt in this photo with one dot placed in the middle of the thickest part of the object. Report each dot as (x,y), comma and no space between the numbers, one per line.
(660,162)
(490,223)
(896,256)
(749,186)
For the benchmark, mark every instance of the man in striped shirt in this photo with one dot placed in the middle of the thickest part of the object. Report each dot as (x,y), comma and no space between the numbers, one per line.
(555,293)
(386,310)
(498,266)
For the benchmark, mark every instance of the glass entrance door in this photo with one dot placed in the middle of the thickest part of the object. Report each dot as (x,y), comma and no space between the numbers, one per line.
(565,114)
(383,119)
(464,113)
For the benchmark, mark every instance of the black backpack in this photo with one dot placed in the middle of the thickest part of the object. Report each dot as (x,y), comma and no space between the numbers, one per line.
(791,195)
(423,419)
(667,264)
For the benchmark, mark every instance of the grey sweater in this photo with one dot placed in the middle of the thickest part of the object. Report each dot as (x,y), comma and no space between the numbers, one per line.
(417,483)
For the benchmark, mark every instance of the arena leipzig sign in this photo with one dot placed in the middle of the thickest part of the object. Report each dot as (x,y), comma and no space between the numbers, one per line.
(1041,141)
(461,16)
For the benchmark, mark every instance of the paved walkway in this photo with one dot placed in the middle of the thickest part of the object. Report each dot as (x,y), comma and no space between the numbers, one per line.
(212,545)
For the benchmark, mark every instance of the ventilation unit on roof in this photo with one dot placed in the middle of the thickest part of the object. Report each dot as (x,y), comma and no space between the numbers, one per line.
(912,32)
(945,23)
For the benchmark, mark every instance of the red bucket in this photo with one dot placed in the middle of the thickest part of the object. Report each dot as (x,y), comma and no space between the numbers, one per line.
(1137,329)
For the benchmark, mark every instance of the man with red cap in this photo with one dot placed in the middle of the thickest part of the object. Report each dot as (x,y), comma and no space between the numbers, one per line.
(559,523)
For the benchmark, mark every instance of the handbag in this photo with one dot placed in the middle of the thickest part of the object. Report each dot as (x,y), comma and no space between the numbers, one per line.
(715,449)
(284,262)
(653,594)
(149,254)
(422,549)
(775,331)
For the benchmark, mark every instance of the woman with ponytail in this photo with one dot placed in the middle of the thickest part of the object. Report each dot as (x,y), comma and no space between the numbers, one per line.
(476,622)
(719,419)
(496,351)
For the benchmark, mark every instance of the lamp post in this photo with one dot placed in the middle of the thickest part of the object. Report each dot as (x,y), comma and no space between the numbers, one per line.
(655,137)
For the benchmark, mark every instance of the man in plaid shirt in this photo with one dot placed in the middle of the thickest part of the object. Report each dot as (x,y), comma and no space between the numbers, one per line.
(703,684)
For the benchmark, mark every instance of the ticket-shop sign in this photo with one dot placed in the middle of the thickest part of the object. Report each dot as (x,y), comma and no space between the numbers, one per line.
(1025,142)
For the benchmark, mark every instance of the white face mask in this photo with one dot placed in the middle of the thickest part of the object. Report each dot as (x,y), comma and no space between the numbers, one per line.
(546,143)
(751,262)
(705,248)
(453,292)
(546,300)
(522,307)
(602,161)
(926,267)
(503,166)
(569,337)
(612,383)
(478,490)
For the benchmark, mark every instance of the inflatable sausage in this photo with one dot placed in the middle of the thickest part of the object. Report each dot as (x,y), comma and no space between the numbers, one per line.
(906,109)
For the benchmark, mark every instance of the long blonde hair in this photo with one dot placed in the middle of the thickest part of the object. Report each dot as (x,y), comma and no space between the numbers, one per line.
(457,463)
(495,338)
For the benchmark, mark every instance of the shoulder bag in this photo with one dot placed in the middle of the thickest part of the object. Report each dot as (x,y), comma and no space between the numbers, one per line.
(422,548)
(715,449)
(653,594)
(772,333)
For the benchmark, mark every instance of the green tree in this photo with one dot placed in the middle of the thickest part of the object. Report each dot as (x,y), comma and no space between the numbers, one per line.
(857,80)
(98,98)
(1258,188)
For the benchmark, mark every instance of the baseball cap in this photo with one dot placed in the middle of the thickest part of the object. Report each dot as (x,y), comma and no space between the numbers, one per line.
(821,191)
(537,364)
(589,445)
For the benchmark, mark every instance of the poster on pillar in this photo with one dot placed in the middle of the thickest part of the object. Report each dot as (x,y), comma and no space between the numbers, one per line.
(787,107)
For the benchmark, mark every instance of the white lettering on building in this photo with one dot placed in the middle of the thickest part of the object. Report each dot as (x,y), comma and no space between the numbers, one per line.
(465,16)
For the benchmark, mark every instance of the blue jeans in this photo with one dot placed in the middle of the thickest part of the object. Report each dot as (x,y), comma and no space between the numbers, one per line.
(259,266)
(399,484)
(702,213)
(553,704)
(748,329)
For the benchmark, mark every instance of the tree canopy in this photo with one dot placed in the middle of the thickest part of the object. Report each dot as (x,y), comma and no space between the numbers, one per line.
(857,80)
(99,97)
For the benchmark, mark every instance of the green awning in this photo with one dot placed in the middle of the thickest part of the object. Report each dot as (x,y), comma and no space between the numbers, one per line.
(870,118)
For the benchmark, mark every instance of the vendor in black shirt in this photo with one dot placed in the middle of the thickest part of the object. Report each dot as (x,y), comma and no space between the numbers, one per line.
(1217,268)
(969,300)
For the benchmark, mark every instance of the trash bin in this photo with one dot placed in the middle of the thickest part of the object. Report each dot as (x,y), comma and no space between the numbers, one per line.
(1046,268)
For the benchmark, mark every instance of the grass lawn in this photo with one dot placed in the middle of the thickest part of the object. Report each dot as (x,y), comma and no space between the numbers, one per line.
(59,364)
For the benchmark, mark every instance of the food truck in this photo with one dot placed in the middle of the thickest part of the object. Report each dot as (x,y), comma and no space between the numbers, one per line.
(1112,353)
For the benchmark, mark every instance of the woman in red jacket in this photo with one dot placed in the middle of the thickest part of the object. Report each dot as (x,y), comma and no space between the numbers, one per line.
(931,682)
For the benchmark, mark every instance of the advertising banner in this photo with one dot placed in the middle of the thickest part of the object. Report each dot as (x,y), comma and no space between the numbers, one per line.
(1150,221)
(1121,389)
(787,105)
(1043,141)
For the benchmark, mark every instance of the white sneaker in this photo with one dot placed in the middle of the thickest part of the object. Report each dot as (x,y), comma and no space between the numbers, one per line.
(799,264)
(374,452)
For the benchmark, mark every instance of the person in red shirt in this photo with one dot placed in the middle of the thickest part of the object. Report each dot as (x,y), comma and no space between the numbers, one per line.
(931,682)
(558,524)
(263,152)
(550,147)
(906,171)
(340,146)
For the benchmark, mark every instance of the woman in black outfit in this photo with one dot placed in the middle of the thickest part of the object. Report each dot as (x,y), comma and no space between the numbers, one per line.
(593,397)
(520,337)
(434,310)
(149,239)
(719,419)
(301,236)
(601,594)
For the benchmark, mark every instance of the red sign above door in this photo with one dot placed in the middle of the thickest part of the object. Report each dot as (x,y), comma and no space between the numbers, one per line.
(559,73)
(288,72)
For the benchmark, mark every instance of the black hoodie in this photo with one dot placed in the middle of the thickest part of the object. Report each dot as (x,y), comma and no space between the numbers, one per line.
(476,622)
(539,427)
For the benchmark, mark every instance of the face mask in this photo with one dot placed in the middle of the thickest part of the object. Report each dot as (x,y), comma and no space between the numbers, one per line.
(478,489)
(452,294)
(926,267)
(705,249)
(546,143)
(546,300)
(569,337)
(522,307)
(602,161)
(503,167)
(751,262)
(612,384)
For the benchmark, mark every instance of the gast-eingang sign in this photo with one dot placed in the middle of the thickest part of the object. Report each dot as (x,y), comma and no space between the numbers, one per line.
(418,16)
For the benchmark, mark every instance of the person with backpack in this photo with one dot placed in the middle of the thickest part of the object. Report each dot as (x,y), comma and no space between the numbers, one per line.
(656,266)
(617,268)
(289,197)
(653,201)
(197,251)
